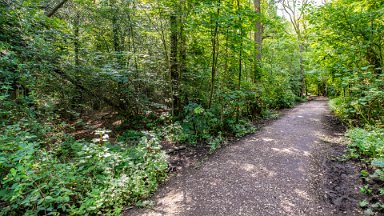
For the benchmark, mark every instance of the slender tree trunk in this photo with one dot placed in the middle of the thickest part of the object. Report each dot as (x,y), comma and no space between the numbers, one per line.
(301,49)
(299,27)
(182,53)
(76,42)
(174,64)
(241,48)
(115,25)
(132,42)
(240,63)
(115,33)
(258,40)
(214,41)
(226,52)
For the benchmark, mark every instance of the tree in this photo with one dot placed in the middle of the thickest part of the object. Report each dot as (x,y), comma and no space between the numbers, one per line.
(295,9)
(258,37)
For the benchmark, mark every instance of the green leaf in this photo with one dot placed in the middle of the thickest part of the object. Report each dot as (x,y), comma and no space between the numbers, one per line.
(369,212)
(378,163)
(363,203)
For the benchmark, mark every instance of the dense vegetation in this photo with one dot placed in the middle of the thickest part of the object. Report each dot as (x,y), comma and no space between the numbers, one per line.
(186,71)
(348,40)
(190,72)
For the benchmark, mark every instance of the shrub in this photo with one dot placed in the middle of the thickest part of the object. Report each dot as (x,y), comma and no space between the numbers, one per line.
(173,133)
(200,124)
(241,127)
(366,144)
(131,136)
(88,179)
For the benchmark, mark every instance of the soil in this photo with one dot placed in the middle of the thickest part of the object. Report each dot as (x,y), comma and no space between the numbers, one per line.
(292,166)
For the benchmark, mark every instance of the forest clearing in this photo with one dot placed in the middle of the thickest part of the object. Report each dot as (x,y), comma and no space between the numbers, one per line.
(191,107)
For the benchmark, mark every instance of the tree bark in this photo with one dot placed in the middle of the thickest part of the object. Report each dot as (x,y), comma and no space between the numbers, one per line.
(240,63)
(182,53)
(76,42)
(214,41)
(174,64)
(302,73)
(258,40)
(115,33)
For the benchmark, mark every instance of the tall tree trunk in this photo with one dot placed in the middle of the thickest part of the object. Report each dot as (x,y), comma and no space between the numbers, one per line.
(182,52)
(174,64)
(241,47)
(132,41)
(214,41)
(115,25)
(301,49)
(78,99)
(76,42)
(115,33)
(258,40)
(226,54)
(240,62)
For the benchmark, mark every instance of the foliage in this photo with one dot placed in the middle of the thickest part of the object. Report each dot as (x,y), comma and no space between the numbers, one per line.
(78,178)
(346,42)
(368,145)
(348,27)
(214,143)
(132,136)
(200,125)
(186,70)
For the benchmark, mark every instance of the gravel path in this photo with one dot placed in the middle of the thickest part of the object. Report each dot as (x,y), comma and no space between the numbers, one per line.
(280,170)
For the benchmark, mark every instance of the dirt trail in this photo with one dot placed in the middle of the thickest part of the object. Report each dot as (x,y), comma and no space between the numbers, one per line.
(287,168)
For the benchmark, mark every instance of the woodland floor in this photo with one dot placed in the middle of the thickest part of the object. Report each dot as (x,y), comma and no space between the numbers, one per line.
(292,166)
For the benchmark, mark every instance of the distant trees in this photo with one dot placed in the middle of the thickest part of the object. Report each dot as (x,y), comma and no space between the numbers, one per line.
(347,40)
(296,12)
(141,53)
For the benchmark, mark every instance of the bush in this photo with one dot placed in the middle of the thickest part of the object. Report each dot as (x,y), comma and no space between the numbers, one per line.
(366,108)
(205,126)
(173,133)
(200,124)
(340,108)
(366,144)
(241,128)
(87,179)
(131,136)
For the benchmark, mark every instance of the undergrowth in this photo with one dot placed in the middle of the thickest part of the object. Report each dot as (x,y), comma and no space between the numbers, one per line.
(366,145)
(74,177)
